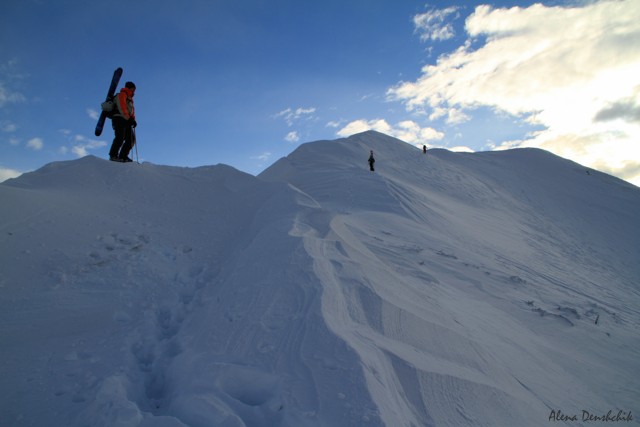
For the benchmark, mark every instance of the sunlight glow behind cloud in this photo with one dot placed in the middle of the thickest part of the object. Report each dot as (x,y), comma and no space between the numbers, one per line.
(573,70)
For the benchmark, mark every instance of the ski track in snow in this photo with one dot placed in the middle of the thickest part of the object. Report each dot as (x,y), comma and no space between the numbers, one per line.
(441,290)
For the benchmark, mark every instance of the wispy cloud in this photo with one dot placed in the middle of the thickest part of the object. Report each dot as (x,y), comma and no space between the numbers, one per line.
(433,25)
(262,158)
(290,115)
(573,71)
(9,94)
(8,126)
(93,114)
(35,144)
(334,123)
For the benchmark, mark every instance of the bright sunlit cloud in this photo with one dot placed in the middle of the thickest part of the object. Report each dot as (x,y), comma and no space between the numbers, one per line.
(433,25)
(7,173)
(574,71)
(408,131)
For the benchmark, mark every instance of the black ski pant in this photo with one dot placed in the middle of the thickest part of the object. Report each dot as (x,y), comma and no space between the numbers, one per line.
(123,141)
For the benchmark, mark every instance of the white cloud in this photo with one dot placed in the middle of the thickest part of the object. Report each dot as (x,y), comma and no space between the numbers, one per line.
(574,71)
(35,144)
(93,114)
(334,123)
(292,137)
(81,150)
(408,131)
(290,115)
(432,25)
(6,173)
(453,115)
(80,145)
(9,77)
(262,157)
(8,126)
(301,111)
(283,113)
(85,144)
(461,149)
(9,96)
(358,126)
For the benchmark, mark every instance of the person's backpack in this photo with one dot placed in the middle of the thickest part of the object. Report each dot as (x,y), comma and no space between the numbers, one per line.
(109,106)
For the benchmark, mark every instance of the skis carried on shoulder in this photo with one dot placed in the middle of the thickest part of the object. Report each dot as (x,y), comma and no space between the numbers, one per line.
(112,90)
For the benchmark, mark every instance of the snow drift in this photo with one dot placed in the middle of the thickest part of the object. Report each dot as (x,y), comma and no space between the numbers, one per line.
(447,289)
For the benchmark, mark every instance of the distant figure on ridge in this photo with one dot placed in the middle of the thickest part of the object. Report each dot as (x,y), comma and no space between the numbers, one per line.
(123,122)
(424,149)
(371,161)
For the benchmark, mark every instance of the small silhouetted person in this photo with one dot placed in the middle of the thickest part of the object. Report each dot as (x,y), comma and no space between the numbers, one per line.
(424,149)
(371,161)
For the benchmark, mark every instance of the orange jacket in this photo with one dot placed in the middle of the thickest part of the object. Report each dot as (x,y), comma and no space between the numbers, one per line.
(124,101)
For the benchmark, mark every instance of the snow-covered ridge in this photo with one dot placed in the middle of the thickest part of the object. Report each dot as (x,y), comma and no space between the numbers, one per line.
(442,289)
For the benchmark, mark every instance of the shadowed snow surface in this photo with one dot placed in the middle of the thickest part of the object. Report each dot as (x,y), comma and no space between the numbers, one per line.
(445,289)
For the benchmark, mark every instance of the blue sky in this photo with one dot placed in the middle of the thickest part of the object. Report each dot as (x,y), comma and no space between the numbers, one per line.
(245,82)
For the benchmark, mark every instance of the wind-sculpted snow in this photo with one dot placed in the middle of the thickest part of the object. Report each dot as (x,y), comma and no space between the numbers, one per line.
(446,289)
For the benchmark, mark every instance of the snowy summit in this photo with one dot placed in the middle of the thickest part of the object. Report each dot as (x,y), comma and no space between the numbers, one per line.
(443,289)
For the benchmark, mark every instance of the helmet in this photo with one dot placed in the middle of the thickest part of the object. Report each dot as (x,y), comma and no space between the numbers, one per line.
(130,85)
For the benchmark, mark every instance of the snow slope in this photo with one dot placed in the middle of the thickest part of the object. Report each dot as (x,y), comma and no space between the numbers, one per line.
(487,289)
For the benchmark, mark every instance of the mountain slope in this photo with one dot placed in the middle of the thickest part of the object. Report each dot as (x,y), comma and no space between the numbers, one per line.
(475,275)
(446,289)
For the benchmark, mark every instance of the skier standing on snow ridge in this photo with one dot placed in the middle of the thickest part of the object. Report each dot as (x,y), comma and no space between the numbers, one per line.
(424,149)
(371,161)
(123,122)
